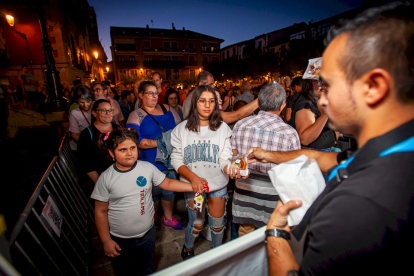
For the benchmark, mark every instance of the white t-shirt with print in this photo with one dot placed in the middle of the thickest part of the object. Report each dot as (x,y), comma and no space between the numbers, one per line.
(129,194)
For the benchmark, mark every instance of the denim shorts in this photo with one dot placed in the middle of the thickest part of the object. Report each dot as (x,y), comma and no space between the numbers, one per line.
(158,192)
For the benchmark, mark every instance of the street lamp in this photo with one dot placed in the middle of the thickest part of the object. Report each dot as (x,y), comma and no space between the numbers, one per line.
(95,54)
(107,68)
(10,21)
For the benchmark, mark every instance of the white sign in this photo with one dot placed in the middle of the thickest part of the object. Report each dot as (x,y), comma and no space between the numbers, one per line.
(314,69)
(53,216)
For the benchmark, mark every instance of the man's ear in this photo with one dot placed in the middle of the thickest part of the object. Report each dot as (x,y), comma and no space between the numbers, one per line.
(376,85)
(282,107)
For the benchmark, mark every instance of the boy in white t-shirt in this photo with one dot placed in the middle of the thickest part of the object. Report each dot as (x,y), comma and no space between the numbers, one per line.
(124,209)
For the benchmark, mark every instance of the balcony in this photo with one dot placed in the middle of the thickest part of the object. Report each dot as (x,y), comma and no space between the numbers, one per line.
(146,48)
(120,47)
(192,50)
(126,64)
(163,64)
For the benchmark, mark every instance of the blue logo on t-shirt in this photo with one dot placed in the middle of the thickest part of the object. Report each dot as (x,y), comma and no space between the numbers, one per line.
(141,181)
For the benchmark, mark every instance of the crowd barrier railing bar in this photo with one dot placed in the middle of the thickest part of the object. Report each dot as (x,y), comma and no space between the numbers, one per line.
(52,235)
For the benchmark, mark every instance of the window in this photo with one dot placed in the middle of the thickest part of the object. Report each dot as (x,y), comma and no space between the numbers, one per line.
(167,58)
(191,47)
(204,48)
(147,58)
(299,35)
(260,45)
(176,74)
(131,58)
(174,58)
(168,74)
(166,46)
(192,74)
(174,46)
(146,46)
(234,51)
(191,61)
(213,48)
(121,58)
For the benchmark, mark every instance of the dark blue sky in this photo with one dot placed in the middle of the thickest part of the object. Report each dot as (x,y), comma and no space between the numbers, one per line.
(233,21)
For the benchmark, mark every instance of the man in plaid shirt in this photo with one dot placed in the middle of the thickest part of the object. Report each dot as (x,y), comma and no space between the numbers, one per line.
(255,198)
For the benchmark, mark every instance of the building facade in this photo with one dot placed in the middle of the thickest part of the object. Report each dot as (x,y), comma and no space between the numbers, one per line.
(73,35)
(178,55)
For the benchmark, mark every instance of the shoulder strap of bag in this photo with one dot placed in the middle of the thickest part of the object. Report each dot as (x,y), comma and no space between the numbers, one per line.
(164,110)
(90,132)
(154,119)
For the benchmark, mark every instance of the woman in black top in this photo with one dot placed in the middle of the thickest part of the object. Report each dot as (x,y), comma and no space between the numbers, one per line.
(311,122)
(92,159)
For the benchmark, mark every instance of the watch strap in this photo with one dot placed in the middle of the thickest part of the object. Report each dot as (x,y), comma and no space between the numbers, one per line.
(277,233)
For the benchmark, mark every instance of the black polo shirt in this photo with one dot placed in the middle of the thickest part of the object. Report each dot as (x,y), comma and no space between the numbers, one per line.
(364,225)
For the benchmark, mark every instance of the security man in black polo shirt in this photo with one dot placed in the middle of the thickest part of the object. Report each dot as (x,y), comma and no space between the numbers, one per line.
(363,222)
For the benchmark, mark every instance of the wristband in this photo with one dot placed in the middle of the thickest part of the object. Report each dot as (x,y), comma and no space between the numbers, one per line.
(277,233)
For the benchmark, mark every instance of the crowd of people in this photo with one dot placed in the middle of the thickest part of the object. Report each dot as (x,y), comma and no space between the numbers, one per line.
(141,145)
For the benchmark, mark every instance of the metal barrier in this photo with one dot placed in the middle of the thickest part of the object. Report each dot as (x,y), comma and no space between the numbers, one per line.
(52,236)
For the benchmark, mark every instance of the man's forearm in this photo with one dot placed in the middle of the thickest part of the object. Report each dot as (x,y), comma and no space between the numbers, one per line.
(147,144)
(280,257)
(231,117)
(325,160)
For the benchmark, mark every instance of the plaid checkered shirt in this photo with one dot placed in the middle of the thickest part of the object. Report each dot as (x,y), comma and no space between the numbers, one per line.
(267,131)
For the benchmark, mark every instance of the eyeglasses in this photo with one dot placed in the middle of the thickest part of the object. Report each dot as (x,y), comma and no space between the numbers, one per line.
(152,94)
(204,101)
(108,111)
(321,83)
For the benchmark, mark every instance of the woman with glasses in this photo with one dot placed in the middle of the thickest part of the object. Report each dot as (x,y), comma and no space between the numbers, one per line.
(201,153)
(93,160)
(311,121)
(151,120)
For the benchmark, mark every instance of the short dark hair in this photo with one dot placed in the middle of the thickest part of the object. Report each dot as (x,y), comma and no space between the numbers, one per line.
(271,97)
(125,94)
(76,82)
(296,81)
(104,87)
(193,121)
(82,92)
(168,93)
(156,73)
(97,103)
(202,77)
(118,136)
(380,37)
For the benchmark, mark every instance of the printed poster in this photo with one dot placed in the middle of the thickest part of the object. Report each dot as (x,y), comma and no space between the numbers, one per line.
(53,216)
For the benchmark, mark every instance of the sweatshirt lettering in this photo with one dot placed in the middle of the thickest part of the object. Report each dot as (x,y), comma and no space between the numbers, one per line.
(205,152)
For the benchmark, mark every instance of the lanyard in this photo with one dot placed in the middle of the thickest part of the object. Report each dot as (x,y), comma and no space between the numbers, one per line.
(404,146)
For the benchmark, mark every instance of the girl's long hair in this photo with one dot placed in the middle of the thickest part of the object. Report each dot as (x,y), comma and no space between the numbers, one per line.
(193,121)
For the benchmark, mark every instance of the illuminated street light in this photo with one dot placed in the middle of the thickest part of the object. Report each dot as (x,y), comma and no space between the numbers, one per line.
(10,20)
(107,69)
(95,54)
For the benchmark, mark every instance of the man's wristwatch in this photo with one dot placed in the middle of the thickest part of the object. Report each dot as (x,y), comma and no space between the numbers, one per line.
(277,233)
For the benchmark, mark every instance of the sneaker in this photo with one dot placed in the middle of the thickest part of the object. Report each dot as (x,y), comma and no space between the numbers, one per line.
(187,255)
(173,223)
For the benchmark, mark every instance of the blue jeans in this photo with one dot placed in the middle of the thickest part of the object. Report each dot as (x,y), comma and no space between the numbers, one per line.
(136,254)
(195,217)
(158,192)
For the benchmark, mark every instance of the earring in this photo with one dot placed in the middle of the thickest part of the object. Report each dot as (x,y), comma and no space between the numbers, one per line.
(113,159)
